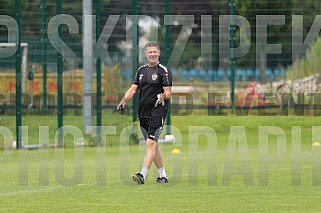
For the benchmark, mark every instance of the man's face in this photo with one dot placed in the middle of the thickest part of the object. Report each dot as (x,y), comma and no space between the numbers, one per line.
(152,55)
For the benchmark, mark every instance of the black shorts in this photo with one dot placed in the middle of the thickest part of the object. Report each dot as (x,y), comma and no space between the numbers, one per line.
(151,127)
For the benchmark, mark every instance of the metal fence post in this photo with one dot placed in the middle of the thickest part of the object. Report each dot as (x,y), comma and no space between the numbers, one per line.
(135,54)
(18,75)
(44,54)
(59,76)
(98,71)
(167,54)
(232,60)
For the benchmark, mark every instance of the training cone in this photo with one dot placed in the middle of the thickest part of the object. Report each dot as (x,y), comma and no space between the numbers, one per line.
(176,151)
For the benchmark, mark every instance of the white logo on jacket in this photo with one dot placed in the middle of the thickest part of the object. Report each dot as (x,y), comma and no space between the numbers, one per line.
(154,76)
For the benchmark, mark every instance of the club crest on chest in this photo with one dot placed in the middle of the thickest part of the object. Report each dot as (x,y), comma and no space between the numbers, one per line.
(154,76)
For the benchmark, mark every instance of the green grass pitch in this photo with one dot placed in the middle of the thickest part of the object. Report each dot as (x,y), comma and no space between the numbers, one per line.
(102,181)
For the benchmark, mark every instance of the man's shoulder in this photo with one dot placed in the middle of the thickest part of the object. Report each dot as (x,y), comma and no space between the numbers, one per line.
(164,68)
(142,67)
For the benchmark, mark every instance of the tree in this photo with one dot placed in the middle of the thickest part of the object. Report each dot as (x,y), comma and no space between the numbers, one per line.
(309,64)
(275,34)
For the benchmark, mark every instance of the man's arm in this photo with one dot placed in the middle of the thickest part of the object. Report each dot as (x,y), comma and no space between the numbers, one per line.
(167,92)
(128,96)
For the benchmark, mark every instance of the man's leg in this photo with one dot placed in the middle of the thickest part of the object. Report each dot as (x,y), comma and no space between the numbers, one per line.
(158,157)
(152,149)
(148,160)
(150,153)
(153,153)
(162,177)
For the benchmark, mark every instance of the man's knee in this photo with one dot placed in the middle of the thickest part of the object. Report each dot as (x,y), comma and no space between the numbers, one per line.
(150,144)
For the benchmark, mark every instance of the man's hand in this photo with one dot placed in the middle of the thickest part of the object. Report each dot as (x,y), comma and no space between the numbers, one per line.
(121,106)
(160,99)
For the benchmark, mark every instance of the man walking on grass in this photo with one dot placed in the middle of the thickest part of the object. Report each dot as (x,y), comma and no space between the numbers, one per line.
(153,81)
